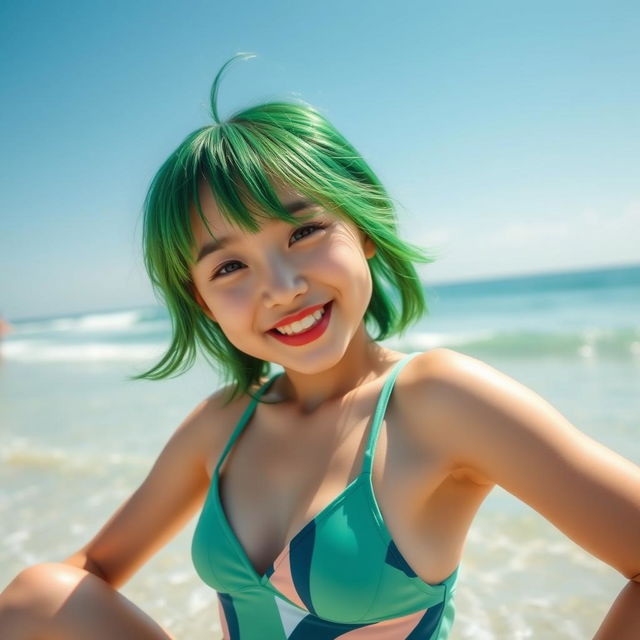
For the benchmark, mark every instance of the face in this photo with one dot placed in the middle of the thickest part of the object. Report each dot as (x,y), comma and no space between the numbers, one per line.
(255,281)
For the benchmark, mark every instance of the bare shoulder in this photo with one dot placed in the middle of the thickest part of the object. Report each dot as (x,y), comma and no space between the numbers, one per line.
(434,383)
(441,379)
(452,386)
(208,427)
(439,362)
(507,433)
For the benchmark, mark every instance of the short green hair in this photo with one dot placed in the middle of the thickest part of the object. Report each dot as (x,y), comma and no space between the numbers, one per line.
(239,159)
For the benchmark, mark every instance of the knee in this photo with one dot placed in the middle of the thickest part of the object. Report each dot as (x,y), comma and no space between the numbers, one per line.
(31,600)
(38,591)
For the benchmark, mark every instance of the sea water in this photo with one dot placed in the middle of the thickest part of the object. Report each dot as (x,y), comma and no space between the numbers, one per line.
(77,436)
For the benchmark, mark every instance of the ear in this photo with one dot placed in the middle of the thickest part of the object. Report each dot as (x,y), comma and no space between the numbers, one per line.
(369,248)
(202,304)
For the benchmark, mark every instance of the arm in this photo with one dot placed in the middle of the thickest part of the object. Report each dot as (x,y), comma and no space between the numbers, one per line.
(509,435)
(158,509)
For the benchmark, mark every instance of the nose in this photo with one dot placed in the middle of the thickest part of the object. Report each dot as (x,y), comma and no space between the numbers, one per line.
(282,282)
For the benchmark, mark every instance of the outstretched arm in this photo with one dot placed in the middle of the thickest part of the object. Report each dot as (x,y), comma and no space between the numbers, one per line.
(168,497)
(514,438)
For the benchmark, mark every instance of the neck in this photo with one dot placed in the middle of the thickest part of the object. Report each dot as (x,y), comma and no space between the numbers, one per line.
(363,361)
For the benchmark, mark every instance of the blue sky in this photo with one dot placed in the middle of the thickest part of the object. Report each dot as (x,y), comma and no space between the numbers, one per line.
(508,132)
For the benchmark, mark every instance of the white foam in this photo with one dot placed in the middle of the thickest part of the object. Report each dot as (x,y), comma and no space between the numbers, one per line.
(46,351)
(16,538)
(199,599)
(21,452)
(91,322)
(98,322)
(424,340)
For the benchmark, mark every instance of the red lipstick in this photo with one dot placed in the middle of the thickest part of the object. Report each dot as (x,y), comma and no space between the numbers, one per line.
(310,334)
(298,316)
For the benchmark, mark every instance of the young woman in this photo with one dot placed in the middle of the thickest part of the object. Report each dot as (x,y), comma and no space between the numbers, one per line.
(335,496)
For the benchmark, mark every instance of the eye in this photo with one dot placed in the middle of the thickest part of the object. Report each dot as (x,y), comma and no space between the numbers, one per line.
(306,230)
(301,232)
(224,269)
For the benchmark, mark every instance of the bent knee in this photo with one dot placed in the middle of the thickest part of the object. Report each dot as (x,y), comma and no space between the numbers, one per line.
(43,586)
(29,599)
(56,600)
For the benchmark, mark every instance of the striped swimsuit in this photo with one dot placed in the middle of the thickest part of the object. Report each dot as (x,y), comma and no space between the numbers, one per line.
(341,576)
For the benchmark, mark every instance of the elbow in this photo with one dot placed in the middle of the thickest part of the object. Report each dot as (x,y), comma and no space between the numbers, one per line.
(81,561)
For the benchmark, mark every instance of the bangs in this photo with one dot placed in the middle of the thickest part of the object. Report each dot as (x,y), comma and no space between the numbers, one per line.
(242,160)
(243,188)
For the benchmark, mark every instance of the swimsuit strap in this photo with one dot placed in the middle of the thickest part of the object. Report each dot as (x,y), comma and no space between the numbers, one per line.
(248,412)
(381,407)
(375,428)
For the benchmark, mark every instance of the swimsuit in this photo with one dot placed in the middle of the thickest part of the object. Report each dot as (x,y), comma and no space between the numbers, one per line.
(341,576)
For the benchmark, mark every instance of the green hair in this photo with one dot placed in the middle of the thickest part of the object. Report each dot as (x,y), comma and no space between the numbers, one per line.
(239,159)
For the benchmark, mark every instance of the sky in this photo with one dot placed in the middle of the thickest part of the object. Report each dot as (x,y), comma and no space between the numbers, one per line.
(507,132)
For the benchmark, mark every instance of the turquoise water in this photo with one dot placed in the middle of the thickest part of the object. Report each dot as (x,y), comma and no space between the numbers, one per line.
(76,437)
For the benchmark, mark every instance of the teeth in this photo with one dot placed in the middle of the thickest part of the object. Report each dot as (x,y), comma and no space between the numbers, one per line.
(302,325)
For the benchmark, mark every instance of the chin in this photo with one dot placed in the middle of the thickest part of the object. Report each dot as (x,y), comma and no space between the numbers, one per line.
(316,361)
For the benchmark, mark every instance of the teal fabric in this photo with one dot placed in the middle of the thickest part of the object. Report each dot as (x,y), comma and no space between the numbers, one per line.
(341,576)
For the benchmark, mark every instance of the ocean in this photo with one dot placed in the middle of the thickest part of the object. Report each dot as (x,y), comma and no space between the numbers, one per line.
(77,436)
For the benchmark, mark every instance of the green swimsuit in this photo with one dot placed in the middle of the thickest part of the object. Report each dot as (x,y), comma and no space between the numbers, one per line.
(341,576)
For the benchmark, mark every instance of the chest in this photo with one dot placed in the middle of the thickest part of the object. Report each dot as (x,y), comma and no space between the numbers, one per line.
(279,476)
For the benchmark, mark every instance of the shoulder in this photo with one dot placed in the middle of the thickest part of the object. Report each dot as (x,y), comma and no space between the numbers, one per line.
(435,388)
(216,411)
(208,426)
(434,375)
(508,434)
(486,421)
(442,378)
(438,362)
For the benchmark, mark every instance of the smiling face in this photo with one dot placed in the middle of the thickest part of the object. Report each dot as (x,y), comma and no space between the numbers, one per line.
(250,282)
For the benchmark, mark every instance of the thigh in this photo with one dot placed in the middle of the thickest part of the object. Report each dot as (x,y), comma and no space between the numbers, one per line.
(55,601)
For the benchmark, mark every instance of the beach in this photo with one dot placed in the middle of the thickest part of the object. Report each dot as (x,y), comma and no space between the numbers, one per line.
(77,436)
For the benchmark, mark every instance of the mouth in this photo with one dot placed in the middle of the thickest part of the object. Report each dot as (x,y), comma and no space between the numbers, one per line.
(304,318)
(303,335)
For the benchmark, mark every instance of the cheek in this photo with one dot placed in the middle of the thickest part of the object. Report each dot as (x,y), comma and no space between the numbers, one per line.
(347,262)
(229,306)
(232,302)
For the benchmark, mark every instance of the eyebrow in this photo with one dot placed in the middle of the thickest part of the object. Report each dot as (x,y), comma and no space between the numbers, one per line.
(219,243)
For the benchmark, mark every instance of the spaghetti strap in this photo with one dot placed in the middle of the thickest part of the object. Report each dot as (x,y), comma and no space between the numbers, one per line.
(248,412)
(381,407)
